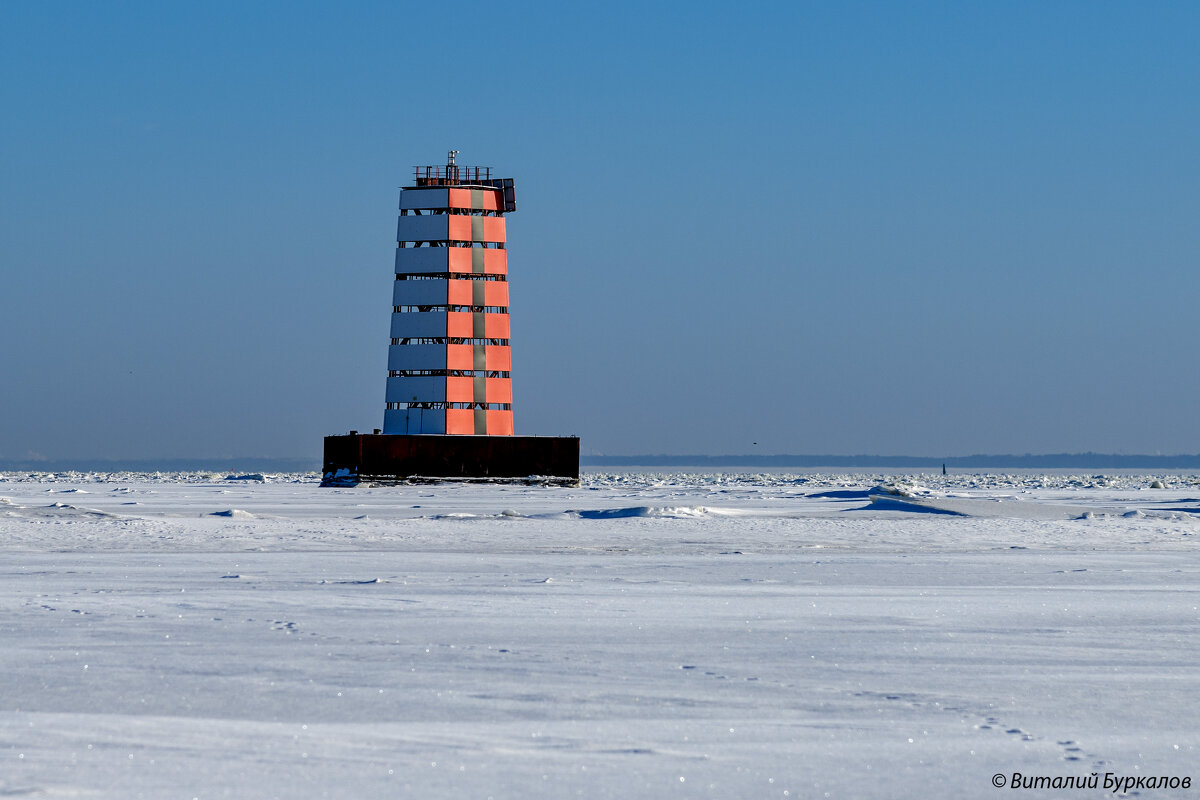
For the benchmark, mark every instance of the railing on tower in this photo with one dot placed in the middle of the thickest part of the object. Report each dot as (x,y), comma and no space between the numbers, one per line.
(452,175)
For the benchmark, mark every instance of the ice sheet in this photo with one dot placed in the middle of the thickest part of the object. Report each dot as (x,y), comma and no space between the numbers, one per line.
(642,635)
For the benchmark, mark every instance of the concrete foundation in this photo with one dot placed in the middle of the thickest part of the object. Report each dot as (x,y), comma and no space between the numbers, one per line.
(396,458)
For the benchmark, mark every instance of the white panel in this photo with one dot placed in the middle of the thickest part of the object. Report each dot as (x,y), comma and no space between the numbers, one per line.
(434,228)
(414,420)
(422,259)
(436,197)
(413,390)
(417,356)
(420,293)
(419,324)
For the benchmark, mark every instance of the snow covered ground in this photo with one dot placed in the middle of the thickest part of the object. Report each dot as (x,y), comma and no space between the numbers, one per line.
(732,635)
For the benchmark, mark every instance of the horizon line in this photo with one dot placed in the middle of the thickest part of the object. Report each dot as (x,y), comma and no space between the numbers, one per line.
(1088,459)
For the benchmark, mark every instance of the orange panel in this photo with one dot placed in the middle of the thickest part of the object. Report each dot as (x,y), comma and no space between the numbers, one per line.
(460,291)
(462,228)
(461,198)
(459,226)
(493,229)
(495,326)
(458,259)
(495,293)
(462,356)
(458,323)
(495,262)
(462,259)
(460,390)
(499,357)
(460,420)
(499,423)
(499,390)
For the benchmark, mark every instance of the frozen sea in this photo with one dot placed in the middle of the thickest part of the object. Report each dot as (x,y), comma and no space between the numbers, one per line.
(741,634)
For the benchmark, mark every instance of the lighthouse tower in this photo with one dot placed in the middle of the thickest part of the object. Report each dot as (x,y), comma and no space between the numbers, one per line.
(449,361)
(449,412)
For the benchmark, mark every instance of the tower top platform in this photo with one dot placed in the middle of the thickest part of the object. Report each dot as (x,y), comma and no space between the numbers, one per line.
(452,174)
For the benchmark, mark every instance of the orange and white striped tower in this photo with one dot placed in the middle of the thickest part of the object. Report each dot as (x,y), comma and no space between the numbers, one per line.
(449,362)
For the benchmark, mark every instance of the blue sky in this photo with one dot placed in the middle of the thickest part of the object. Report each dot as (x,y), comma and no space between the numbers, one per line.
(919,228)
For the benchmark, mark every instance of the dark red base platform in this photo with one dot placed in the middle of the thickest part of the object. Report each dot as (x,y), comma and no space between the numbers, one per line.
(398,458)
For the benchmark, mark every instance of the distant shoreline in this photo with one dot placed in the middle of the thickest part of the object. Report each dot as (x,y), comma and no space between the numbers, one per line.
(979,461)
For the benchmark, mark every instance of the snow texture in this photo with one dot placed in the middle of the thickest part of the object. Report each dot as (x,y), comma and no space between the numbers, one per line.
(667,634)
